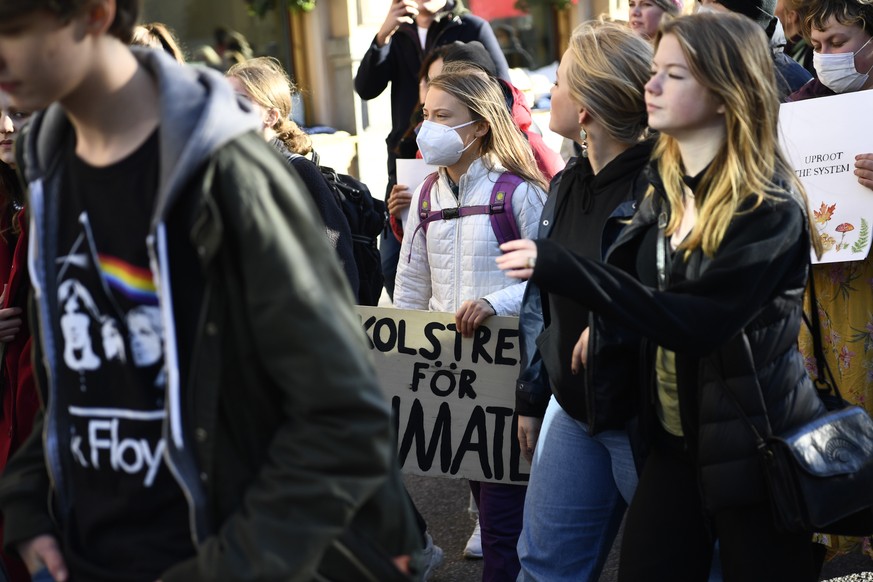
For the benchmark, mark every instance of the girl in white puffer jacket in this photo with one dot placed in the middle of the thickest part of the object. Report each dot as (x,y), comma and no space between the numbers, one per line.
(450,265)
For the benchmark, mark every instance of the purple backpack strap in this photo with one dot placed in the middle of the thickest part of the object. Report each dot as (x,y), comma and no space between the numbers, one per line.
(425,214)
(503,221)
(424,206)
(499,209)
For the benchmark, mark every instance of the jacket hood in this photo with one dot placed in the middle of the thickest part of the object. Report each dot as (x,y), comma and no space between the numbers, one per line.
(199,113)
(518,106)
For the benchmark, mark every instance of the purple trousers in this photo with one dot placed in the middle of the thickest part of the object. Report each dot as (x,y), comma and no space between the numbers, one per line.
(501,508)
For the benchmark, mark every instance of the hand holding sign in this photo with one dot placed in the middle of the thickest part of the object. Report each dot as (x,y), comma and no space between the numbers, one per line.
(452,396)
(864,169)
(410,173)
(471,315)
(825,140)
(399,200)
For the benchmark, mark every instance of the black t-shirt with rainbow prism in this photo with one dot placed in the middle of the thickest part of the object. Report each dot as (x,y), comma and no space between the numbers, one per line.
(129,518)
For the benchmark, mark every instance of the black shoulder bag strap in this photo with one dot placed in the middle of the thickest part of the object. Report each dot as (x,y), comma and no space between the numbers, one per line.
(825,383)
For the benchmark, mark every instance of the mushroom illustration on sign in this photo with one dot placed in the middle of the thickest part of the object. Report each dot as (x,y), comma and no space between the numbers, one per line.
(843,229)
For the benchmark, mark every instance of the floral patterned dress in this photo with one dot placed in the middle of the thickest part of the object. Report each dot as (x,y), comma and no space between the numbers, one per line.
(844,293)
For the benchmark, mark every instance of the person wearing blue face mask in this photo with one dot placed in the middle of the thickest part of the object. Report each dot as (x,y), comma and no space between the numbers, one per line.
(840,32)
(449,264)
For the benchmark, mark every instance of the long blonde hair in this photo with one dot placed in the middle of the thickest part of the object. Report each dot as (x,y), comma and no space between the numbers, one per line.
(729,55)
(484,98)
(268,84)
(607,70)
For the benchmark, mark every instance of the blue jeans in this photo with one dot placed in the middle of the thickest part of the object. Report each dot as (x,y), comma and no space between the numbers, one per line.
(42,576)
(579,488)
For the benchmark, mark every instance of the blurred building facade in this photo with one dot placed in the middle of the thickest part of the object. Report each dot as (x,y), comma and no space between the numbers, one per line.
(322,49)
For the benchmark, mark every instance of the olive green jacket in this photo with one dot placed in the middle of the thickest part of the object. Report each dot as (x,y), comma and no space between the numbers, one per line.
(276,429)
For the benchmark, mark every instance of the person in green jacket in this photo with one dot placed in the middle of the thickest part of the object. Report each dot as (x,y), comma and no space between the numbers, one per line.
(210,409)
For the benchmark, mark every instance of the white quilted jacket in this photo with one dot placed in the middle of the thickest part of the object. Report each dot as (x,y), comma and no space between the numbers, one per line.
(456,260)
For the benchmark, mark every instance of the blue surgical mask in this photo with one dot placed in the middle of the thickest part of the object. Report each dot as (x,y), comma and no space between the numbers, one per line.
(837,71)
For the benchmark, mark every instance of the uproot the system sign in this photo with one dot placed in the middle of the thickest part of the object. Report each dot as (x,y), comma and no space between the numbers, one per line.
(453,397)
(821,138)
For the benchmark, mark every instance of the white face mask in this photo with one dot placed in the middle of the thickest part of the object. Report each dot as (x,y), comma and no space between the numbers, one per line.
(441,145)
(838,73)
(706,10)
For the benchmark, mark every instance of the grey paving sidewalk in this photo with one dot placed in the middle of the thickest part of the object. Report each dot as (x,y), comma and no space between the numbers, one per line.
(443,502)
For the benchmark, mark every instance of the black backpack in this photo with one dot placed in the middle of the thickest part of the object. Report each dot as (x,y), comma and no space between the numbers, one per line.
(367,217)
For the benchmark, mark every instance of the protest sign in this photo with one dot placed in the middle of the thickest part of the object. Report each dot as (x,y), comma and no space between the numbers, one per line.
(821,138)
(412,173)
(453,397)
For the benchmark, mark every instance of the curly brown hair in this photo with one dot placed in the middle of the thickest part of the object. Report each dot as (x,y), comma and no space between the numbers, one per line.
(847,12)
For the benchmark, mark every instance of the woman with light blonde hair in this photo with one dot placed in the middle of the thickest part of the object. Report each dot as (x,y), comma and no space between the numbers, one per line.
(710,273)
(573,427)
(264,83)
(448,264)
(484,99)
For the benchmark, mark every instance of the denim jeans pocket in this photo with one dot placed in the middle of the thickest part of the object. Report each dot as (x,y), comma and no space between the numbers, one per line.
(42,575)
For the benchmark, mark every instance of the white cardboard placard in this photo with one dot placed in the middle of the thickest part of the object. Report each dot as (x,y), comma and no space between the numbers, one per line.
(821,138)
(412,173)
(453,397)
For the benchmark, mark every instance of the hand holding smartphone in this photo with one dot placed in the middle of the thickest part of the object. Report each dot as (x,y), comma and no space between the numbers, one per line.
(401,12)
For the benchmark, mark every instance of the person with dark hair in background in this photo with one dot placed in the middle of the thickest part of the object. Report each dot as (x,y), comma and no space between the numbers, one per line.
(411,30)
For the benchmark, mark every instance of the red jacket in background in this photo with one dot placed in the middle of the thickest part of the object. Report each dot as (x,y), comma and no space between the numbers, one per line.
(19,394)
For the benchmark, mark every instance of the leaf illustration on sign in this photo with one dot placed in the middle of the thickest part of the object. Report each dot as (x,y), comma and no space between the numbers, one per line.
(863,238)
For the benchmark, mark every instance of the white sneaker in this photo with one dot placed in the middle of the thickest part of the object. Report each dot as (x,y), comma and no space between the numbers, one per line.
(473,549)
(433,557)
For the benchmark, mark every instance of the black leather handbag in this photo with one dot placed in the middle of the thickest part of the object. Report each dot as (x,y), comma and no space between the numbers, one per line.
(820,474)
